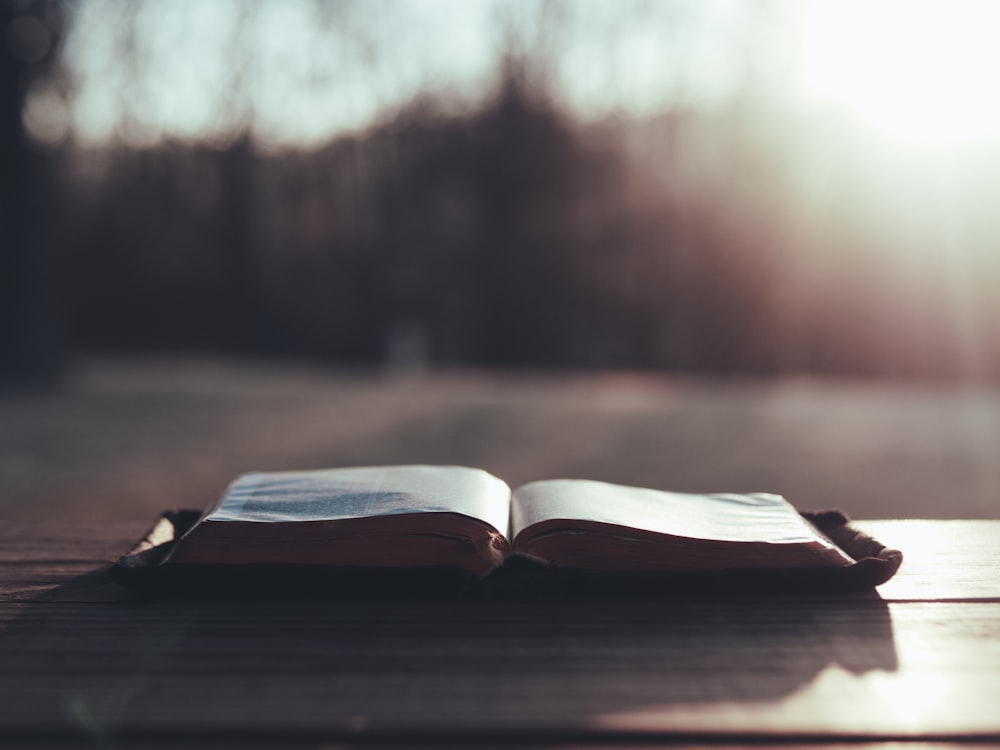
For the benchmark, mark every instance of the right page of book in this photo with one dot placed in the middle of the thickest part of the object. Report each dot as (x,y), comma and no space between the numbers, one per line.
(582,507)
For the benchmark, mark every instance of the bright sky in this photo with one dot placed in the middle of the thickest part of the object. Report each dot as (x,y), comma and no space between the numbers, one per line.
(301,71)
(923,72)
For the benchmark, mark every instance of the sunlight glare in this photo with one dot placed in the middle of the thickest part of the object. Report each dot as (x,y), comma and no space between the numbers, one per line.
(920,71)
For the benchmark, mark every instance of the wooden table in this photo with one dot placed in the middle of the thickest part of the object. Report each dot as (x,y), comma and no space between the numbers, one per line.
(82,660)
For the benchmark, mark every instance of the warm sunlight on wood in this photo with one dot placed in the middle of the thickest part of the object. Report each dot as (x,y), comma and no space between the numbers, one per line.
(919,71)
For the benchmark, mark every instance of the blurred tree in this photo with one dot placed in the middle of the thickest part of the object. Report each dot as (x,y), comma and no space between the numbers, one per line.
(29,338)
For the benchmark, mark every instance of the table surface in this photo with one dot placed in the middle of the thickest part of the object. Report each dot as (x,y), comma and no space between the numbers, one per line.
(83,660)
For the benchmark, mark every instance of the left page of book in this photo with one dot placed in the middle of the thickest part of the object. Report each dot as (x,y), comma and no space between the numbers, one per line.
(365,516)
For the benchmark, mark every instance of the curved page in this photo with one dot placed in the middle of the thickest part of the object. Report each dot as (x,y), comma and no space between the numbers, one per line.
(365,492)
(575,509)
(366,516)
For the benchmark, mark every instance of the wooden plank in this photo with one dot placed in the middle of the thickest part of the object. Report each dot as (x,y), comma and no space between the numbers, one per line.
(785,667)
(942,560)
(77,582)
(63,561)
(49,541)
(572,669)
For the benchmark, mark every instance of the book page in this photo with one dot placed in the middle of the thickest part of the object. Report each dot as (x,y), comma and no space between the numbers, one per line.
(723,517)
(365,492)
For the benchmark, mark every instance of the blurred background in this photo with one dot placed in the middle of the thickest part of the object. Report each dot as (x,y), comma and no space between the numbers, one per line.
(700,245)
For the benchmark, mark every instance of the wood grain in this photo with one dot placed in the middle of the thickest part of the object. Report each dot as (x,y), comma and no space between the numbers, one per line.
(942,560)
(81,657)
(572,668)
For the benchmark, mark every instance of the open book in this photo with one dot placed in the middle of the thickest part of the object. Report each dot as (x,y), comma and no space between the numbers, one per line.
(458,517)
